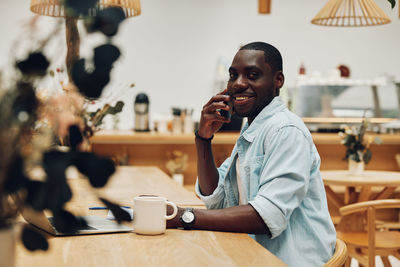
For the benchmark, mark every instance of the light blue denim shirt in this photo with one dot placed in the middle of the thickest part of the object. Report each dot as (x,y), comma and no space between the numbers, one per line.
(279,166)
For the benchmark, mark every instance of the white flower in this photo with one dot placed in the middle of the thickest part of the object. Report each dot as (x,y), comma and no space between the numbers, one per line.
(378,140)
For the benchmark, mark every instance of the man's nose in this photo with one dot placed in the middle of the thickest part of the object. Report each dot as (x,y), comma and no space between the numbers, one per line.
(240,82)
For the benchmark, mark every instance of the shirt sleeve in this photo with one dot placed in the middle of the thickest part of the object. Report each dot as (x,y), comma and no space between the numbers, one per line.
(216,199)
(284,177)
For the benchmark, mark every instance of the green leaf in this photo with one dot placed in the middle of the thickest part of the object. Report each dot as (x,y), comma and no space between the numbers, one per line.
(98,117)
(116,109)
(392,3)
(367,156)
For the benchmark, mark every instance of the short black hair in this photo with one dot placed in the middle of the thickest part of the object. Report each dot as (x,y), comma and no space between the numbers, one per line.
(271,53)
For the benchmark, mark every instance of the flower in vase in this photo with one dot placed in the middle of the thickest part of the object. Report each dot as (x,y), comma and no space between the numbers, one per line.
(177,162)
(357,144)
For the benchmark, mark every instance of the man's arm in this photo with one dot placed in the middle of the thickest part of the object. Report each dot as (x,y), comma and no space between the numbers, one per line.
(240,219)
(206,169)
(210,122)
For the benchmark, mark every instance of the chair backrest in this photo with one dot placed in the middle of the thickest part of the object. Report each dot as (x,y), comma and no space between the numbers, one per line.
(339,257)
(365,205)
(370,207)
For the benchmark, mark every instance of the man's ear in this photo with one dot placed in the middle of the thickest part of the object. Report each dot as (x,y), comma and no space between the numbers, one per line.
(279,79)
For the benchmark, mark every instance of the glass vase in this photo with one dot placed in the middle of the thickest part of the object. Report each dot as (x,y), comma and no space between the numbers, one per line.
(356,167)
(178,177)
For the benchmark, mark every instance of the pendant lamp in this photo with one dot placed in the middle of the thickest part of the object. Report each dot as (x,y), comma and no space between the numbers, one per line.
(351,13)
(55,8)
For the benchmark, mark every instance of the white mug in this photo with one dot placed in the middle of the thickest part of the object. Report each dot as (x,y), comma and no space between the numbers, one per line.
(150,214)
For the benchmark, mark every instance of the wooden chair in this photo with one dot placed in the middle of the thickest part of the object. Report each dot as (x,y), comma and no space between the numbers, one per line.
(366,242)
(339,257)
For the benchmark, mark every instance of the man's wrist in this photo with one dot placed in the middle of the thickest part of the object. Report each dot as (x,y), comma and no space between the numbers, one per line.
(187,218)
(174,222)
(196,133)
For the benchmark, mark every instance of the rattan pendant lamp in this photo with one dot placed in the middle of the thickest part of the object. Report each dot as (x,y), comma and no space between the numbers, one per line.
(351,13)
(55,8)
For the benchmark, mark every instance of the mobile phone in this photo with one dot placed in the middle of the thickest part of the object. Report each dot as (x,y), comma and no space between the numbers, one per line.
(226,113)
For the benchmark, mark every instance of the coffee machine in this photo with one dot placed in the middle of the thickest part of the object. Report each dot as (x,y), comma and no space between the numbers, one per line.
(141,108)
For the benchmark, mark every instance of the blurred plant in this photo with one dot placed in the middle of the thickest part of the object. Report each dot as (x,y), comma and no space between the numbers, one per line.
(177,162)
(73,106)
(32,172)
(357,148)
(392,3)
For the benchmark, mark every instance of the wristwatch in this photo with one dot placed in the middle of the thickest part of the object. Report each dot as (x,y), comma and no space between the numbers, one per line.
(187,218)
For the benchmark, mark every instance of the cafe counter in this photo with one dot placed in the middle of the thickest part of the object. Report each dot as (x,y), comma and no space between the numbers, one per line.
(153,149)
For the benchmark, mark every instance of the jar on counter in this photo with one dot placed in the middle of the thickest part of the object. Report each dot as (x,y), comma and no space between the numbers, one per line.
(176,121)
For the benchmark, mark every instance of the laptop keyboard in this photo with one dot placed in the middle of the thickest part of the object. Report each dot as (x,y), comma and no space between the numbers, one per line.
(87,227)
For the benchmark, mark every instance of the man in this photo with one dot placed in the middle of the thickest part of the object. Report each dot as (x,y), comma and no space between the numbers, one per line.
(270,186)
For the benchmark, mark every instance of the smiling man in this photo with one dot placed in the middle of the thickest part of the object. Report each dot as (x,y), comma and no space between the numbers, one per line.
(270,186)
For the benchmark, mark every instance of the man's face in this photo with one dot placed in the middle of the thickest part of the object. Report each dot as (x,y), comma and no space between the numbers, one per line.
(252,85)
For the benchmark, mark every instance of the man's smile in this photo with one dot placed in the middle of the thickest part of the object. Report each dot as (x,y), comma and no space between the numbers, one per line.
(242,99)
(239,98)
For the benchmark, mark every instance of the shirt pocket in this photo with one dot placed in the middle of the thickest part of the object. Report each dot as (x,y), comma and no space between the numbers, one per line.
(253,171)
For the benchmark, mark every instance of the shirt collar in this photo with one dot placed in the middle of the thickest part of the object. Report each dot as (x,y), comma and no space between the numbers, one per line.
(250,132)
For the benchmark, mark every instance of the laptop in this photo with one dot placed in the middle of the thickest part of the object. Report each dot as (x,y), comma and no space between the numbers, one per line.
(95,224)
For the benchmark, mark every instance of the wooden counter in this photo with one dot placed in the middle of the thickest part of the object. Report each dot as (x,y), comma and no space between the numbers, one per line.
(151,149)
(145,149)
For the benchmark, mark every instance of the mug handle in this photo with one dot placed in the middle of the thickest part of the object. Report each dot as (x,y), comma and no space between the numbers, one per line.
(169,217)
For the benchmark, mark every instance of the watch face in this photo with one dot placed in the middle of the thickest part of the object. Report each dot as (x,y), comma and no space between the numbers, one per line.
(188,217)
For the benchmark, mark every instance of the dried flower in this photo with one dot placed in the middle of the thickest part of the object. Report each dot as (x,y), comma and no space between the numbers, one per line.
(177,162)
(32,172)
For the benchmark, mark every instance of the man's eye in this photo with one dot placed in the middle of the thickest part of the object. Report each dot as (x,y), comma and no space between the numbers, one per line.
(252,75)
(232,76)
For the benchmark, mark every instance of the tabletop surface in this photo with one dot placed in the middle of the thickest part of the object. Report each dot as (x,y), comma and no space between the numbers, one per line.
(129,182)
(174,248)
(371,178)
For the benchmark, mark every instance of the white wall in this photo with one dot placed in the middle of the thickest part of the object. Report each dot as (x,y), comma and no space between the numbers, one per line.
(171,50)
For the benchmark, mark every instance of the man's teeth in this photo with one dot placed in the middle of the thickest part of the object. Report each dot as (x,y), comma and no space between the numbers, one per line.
(241,97)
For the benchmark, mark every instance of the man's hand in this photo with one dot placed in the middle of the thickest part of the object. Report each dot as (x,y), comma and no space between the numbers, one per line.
(174,222)
(211,120)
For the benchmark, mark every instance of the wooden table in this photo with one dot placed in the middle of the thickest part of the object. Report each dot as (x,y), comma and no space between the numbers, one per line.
(370,185)
(385,181)
(174,248)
